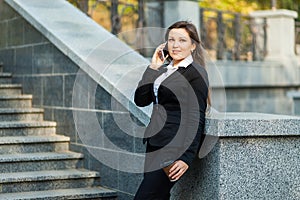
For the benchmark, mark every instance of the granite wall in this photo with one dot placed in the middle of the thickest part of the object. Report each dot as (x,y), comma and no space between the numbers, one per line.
(255,157)
(49,75)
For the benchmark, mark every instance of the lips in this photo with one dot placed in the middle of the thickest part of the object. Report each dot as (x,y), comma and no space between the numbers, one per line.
(175,51)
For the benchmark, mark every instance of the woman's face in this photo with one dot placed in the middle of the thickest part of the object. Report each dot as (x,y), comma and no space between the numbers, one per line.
(180,44)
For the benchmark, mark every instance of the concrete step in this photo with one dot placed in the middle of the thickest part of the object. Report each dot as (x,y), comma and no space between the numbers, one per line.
(21,114)
(16,101)
(48,180)
(33,144)
(5,78)
(40,161)
(35,163)
(99,193)
(24,128)
(10,89)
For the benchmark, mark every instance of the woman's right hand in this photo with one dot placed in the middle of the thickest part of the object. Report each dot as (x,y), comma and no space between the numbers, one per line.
(157,58)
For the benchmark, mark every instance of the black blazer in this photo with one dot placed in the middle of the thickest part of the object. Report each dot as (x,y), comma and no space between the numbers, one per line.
(178,117)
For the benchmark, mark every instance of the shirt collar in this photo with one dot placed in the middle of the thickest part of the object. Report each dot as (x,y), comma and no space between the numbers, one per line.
(185,62)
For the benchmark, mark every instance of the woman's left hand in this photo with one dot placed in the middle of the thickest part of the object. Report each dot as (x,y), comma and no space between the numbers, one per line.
(177,170)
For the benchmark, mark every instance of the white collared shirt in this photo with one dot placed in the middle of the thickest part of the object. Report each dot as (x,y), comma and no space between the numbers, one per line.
(171,69)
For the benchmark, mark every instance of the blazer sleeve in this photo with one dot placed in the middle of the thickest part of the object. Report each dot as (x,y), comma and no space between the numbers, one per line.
(196,115)
(144,95)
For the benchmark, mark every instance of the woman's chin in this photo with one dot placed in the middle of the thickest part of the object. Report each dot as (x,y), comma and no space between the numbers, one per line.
(177,57)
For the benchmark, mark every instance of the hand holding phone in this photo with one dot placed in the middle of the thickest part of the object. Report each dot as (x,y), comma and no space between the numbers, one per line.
(164,53)
(159,56)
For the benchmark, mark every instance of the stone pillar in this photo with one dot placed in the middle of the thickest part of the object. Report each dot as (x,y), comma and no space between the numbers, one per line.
(280,34)
(181,10)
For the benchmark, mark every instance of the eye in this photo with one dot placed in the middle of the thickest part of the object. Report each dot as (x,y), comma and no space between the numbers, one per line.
(171,40)
(182,40)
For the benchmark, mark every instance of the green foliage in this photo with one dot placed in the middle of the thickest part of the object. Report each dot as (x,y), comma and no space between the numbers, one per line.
(290,5)
(246,6)
(230,5)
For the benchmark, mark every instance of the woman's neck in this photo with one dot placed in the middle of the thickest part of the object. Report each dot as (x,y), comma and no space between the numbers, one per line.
(176,63)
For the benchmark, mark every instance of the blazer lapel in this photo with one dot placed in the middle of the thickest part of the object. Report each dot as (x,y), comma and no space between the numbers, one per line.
(174,75)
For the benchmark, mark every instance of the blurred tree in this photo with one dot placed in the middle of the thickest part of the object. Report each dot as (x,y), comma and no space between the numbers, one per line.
(230,5)
(246,6)
(280,4)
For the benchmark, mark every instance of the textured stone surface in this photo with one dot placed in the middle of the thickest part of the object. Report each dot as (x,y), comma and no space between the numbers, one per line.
(33,166)
(80,193)
(39,161)
(27,128)
(87,52)
(10,89)
(5,78)
(47,180)
(25,114)
(20,101)
(255,157)
(252,124)
(32,144)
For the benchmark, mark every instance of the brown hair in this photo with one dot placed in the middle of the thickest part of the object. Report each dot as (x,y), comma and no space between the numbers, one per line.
(198,54)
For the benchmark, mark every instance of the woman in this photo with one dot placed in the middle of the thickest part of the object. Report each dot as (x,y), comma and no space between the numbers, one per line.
(179,93)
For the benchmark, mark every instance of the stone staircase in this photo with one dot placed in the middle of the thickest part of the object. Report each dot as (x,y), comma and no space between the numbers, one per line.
(35,162)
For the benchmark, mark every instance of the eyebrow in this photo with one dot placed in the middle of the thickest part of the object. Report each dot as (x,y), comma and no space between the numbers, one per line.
(179,37)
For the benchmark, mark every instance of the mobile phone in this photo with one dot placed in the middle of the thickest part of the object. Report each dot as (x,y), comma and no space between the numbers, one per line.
(164,52)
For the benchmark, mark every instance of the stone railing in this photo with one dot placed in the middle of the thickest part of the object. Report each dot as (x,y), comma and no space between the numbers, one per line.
(255,157)
(233,36)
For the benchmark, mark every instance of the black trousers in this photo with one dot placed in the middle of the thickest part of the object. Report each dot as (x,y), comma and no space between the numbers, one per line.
(155,185)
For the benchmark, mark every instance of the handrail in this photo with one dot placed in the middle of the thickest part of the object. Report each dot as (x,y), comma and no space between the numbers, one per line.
(226,35)
(232,35)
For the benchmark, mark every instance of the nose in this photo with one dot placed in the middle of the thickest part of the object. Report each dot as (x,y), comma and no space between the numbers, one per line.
(175,44)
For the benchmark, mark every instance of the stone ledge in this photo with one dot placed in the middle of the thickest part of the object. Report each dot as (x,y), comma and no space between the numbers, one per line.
(10,86)
(47,175)
(44,156)
(29,124)
(5,75)
(275,13)
(17,97)
(252,124)
(32,139)
(20,110)
(78,193)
